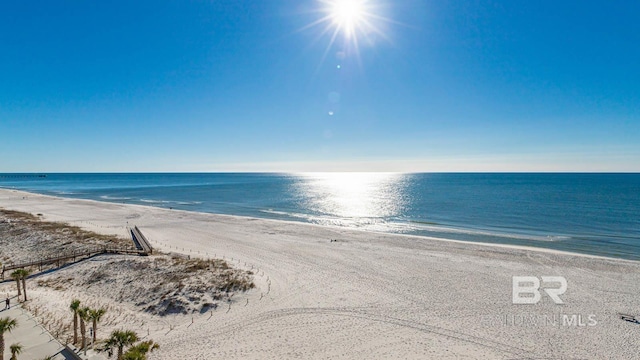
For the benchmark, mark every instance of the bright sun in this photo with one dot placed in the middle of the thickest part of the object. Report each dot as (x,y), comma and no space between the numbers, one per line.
(348,14)
(350,18)
(350,23)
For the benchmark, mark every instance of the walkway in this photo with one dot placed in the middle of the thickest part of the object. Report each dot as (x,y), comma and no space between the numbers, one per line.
(141,242)
(37,343)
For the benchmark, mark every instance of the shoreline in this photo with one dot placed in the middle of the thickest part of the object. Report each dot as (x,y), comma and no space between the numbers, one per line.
(337,228)
(366,295)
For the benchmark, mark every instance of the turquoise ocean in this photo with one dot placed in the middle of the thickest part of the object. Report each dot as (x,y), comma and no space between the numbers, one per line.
(595,214)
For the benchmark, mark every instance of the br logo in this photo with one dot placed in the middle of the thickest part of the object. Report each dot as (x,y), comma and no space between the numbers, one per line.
(554,286)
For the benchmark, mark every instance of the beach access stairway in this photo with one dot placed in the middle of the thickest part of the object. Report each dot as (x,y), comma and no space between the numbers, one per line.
(140,241)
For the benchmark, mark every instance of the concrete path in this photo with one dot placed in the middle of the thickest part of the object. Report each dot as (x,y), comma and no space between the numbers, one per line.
(37,343)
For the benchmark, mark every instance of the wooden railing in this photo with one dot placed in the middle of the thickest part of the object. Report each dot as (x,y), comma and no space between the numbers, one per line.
(70,257)
(140,241)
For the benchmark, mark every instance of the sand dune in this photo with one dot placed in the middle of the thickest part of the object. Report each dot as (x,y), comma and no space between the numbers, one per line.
(366,295)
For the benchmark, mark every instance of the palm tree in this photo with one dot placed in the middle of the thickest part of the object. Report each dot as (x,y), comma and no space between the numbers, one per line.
(16,349)
(16,276)
(95,316)
(139,351)
(23,275)
(83,314)
(75,306)
(133,354)
(119,339)
(6,325)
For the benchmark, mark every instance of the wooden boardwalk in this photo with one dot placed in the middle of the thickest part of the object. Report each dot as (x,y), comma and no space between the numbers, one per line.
(140,241)
(69,257)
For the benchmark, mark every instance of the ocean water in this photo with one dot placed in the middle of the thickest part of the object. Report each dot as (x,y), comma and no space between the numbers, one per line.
(588,213)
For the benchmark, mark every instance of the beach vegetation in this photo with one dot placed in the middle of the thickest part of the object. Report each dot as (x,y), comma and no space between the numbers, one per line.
(18,215)
(95,315)
(23,274)
(16,349)
(83,314)
(75,306)
(140,350)
(52,237)
(118,340)
(16,276)
(6,325)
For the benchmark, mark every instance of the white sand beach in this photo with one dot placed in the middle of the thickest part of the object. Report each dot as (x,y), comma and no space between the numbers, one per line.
(365,296)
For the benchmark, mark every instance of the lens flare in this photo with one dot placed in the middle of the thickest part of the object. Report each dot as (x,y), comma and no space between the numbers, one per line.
(348,23)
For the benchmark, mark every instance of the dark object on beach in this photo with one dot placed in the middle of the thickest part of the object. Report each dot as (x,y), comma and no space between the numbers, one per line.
(7,303)
(629,318)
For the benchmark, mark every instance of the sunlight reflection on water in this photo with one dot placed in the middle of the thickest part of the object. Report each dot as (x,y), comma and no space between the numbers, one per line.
(353,195)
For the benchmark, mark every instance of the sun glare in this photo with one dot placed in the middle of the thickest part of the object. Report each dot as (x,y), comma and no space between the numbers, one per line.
(347,14)
(353,195)
(350,24)
(347,26)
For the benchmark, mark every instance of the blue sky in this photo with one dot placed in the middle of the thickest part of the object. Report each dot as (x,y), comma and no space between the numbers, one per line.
(234,85)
